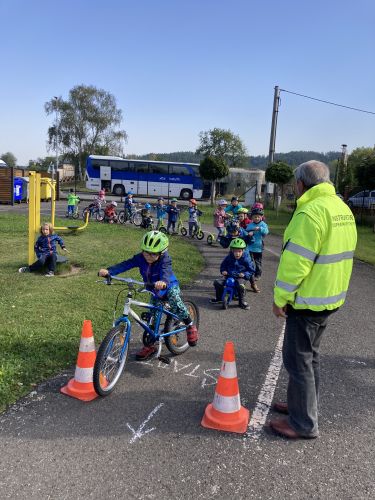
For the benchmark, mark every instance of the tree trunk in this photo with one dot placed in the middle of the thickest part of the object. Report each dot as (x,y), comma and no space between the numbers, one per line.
(213,188)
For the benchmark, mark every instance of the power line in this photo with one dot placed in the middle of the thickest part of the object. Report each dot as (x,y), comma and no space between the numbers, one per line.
(328,102)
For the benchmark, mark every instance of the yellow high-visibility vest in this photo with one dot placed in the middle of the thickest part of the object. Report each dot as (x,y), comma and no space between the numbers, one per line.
(318,249)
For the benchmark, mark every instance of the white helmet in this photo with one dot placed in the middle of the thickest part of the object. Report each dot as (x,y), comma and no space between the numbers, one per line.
(114,203)
(222,202)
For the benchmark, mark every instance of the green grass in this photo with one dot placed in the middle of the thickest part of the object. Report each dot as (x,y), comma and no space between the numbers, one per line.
(366,237)
(42,317)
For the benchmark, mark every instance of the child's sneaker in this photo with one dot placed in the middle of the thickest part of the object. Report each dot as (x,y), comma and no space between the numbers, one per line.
(146,352)
(192,335)
(23,270)
(215,301)
(255,288)
(244,305)
(49,274)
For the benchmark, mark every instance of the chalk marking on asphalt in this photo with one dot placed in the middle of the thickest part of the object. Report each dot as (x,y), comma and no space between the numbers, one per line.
(137,434)
(208,377)
(273,253)
(259,416)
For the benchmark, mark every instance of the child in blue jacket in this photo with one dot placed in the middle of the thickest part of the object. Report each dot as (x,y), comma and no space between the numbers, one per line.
(173,213)
(161,211)
(155,265)
(238,265)
(45,249)
(258,229)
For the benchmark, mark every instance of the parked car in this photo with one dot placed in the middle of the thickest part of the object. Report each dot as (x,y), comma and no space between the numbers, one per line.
(365,199)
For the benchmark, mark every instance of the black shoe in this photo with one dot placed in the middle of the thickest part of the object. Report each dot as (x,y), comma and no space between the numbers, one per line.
(244,305)
(215,301)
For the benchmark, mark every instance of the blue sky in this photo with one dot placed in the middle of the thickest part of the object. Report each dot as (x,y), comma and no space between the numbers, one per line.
(179,67)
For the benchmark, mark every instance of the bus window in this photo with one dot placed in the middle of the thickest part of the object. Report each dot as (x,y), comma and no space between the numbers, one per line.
(99,163)
(119,165)
(178,170)
(141,168)
(158,168)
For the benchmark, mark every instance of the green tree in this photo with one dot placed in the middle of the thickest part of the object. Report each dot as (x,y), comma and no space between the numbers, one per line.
(366,172)
(42,164)
(86,123)
(212,169)
(279,173)
(223,144)
(9,159)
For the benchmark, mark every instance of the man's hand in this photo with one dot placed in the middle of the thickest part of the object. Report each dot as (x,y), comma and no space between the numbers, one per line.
(103,273)
(279,312)
(160,285)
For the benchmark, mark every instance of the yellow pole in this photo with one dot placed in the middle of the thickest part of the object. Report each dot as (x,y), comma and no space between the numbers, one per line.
(52,185)
(34,212)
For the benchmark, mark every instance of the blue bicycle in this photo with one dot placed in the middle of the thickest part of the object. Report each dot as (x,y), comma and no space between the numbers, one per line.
(159,326)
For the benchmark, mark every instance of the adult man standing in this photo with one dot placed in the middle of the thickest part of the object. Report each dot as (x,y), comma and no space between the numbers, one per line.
(312,282)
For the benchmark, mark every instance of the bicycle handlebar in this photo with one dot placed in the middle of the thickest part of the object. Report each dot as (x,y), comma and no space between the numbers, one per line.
(129,281)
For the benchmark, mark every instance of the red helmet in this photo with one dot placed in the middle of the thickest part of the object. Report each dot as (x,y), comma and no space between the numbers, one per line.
(193,201)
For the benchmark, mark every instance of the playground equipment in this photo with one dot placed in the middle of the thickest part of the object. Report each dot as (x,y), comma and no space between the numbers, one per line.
(35,184)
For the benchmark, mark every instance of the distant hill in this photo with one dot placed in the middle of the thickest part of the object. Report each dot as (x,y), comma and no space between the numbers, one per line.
(293,158)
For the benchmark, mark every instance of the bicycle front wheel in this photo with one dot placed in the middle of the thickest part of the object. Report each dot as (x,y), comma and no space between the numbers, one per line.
(178,344)
(200,235)
(111,359)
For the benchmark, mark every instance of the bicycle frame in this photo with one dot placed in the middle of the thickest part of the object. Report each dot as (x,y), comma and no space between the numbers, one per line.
(159,310)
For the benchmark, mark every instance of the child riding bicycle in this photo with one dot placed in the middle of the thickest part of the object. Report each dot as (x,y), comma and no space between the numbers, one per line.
(239,266)
(155,265)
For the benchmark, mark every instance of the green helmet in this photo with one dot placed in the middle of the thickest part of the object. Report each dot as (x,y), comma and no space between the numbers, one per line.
(237,243)
(243,211)
(154,242)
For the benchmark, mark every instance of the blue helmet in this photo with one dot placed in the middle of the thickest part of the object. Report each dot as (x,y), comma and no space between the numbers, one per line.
(130,193)
(148,206)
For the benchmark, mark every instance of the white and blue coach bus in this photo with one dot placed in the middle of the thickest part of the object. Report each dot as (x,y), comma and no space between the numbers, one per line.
(142,177)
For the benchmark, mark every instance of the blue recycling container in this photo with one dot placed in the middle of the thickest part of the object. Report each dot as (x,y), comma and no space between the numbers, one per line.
(18,189)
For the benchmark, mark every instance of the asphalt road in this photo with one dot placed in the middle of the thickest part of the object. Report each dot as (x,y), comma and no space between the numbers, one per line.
(145,440)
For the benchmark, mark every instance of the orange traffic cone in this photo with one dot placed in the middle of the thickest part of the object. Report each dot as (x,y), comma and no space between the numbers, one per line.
(81,386)
(226,412)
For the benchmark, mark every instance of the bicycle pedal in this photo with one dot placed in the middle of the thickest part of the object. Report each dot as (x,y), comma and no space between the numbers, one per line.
(165,359)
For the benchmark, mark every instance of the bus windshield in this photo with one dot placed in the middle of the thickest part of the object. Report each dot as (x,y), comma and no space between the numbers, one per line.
(142,177)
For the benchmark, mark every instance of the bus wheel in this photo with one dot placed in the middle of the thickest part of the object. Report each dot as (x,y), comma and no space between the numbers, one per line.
(118,190)
(186,194)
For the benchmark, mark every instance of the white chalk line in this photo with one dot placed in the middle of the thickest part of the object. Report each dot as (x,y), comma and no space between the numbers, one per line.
(260,413)
(273,253)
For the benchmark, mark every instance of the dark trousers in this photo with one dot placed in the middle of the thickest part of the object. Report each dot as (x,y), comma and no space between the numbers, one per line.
(44,260)
(301,360)
(239,289)
(171,224)
(257,258)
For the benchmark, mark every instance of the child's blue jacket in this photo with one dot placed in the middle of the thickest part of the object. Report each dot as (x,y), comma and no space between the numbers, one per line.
(236,266)
(161,211)
(46,245)
(257,243)
(161,270)
(172,213)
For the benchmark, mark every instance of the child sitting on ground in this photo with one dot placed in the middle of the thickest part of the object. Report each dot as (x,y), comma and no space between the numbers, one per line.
(257,229)
(238,265)
(155,265)
(243,217)
(173,213)
(45,249)
(219,218)
(194,214)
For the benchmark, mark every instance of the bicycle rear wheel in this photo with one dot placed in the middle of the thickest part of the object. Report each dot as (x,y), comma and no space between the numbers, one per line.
(200,235)
(178,344)
(111,359)
(183,231)
(100,215)
(137,219)
(122,217)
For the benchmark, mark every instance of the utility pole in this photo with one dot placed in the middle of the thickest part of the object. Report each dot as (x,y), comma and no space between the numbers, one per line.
(275,112)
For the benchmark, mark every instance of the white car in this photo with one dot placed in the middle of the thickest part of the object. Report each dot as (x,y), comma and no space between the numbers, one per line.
(365,199)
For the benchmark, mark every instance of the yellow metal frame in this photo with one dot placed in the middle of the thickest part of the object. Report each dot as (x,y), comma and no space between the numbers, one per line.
(35,181)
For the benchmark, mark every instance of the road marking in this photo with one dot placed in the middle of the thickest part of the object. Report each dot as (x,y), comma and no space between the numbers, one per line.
(273,253)
(137,434)
(259,416)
